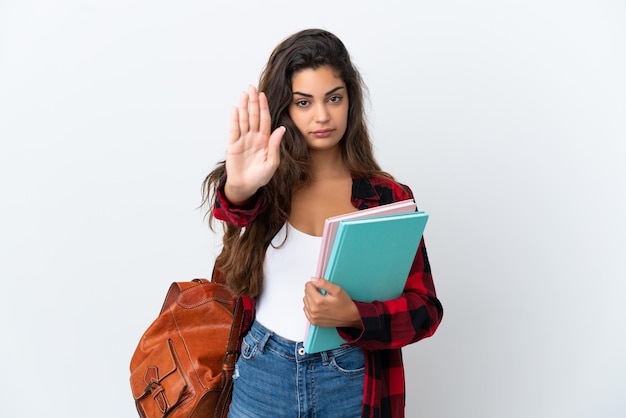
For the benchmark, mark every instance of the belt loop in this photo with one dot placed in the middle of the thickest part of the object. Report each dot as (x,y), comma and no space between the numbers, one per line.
(264,340)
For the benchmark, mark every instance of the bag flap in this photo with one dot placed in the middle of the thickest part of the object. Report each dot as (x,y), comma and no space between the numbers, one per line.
(159,372)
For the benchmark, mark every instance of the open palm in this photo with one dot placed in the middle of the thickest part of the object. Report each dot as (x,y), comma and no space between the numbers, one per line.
(253,151)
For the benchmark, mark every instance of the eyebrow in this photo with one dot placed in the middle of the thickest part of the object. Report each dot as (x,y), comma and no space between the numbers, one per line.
(310,95)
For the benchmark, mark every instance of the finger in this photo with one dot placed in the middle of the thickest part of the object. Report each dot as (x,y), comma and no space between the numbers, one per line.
(323,284)
(308,315)
(327,288)
(305,301)
(235,133)
(265,117)
(253,109)
(310,292)
(273,146)
(244,126)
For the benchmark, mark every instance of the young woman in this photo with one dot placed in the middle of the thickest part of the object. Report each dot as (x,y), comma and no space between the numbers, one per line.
(299,152)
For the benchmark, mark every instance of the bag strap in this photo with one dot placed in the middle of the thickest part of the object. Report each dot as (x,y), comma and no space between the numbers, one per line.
(228,368)
(218,277)
(232,354)
(233,339)
(235,330)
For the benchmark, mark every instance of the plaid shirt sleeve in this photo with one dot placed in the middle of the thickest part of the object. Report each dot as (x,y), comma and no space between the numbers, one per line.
(238,216)
(395,323)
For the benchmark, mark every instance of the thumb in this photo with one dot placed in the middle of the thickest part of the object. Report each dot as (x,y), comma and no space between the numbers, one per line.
(273,146)
(323,284)
(275,138)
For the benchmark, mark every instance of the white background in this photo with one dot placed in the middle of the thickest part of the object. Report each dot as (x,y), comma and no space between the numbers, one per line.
(507,118)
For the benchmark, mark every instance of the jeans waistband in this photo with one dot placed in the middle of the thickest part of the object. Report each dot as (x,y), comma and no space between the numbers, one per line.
(291,349)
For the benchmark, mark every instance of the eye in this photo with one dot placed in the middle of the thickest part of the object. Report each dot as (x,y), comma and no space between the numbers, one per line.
(335,99)
(301,103)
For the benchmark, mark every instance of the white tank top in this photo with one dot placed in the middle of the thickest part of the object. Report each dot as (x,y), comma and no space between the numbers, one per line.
(289,264)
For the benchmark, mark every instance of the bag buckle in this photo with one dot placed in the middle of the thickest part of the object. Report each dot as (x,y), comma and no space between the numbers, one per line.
(155,389)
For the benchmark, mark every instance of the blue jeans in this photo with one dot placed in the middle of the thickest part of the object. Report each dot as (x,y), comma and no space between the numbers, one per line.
(275,378)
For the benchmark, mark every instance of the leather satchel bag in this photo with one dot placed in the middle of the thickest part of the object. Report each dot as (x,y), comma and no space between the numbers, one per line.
(184,362)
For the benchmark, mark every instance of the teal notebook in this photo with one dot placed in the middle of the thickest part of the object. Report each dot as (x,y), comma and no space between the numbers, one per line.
(370,259)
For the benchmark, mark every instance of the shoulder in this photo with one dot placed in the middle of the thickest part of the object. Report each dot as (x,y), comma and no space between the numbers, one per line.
(379,189)
(396,191)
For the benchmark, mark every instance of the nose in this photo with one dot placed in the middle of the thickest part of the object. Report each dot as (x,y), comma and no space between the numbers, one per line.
(321,113)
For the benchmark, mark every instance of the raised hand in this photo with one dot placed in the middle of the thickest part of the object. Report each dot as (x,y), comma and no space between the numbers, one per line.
(253,151)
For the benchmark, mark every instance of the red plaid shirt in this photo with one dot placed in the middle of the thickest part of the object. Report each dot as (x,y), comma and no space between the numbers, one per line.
(388,325)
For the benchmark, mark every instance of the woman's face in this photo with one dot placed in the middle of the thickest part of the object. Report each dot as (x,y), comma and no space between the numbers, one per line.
(319,107)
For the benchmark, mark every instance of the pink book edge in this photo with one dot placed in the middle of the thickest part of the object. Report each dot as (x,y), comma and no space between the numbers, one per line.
(331,225)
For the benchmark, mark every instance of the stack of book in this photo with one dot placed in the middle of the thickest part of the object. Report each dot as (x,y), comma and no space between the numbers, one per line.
(369,254)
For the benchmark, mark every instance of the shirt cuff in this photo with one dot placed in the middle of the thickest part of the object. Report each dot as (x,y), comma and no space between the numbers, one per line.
(370,322)
(239,216)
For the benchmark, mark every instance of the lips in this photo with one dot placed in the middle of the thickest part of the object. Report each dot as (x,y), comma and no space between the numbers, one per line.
(323,133)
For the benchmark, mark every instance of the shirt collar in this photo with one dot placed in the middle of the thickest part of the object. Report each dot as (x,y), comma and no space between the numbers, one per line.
(362,188)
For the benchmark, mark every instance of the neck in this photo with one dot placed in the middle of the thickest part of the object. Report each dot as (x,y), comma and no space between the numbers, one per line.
(327,164)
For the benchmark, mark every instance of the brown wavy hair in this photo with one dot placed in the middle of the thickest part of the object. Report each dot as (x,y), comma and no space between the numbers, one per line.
(243,253)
